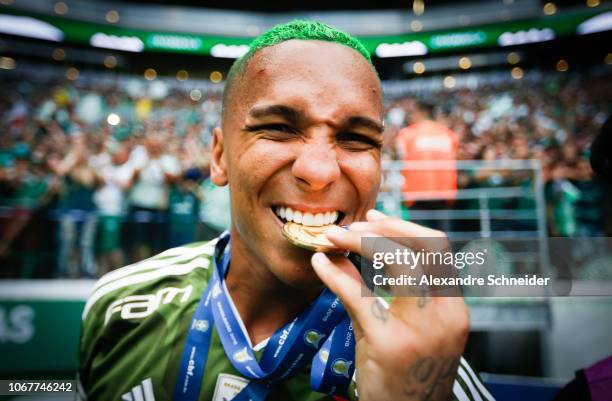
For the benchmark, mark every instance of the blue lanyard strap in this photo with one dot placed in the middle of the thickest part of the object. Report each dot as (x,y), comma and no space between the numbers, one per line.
(195,352)
(333,366)
(322,334)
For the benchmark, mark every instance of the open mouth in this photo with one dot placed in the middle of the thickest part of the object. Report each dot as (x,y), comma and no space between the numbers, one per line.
(306,229)
(287,214)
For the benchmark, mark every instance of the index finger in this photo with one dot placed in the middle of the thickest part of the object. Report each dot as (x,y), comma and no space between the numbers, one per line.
(405,232)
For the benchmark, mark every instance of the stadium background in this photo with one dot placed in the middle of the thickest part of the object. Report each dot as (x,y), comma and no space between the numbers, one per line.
(89,85)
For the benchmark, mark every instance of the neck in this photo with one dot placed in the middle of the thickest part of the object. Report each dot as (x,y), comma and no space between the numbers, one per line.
(262,300)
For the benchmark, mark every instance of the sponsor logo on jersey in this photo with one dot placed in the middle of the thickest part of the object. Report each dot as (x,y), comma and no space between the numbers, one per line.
(341,367)
(242,356)
(228,386)
(140,306)
(200,325)
(140,392)
(313,337)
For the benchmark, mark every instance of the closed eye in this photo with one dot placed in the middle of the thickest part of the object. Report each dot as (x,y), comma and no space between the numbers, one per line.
(270,127)
(355,141)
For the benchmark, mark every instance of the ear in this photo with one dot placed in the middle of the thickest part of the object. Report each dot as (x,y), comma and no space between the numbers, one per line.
(218,164)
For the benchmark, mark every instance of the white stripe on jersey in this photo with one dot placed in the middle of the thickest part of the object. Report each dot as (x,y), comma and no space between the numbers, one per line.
(481,387)
(154,263)
(459,392)
(137,393)
(147,386)
(140,392)
(180,249)
(172,270)
(475,395)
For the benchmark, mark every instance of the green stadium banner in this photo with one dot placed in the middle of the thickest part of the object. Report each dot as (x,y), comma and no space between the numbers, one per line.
(40,326)
(498,34)
(39,336)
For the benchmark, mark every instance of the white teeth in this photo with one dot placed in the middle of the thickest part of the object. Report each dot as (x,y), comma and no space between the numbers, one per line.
(306,218)
(319,219)
(326,220)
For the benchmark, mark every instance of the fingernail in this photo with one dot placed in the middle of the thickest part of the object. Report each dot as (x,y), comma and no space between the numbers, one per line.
(319,257)
(374,214)
(358,226)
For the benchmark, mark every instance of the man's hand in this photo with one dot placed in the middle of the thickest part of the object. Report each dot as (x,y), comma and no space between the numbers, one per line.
(410,349)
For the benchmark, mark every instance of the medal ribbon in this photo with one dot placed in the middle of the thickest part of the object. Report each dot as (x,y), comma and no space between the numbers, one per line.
(322,334)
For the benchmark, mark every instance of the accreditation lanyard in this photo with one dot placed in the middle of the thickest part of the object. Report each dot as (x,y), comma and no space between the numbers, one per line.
(322,334)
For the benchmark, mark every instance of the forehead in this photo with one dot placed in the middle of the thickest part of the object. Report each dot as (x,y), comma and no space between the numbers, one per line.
(318,77)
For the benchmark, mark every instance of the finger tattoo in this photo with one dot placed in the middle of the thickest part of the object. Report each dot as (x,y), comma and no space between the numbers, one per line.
(379,311)
(423,299)
(423,369)
(427,376)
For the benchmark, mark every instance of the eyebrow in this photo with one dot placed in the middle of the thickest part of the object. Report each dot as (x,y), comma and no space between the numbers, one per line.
(358,121)
(296,117)
(277,110)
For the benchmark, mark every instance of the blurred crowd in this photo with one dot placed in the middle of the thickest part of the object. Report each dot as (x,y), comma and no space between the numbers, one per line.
(553,121)
(95,176)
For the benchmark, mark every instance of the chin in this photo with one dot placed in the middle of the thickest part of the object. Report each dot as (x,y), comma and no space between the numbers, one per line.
(308,281)
(293,268)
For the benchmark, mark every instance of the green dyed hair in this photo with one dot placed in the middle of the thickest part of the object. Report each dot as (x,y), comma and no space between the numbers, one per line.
(297,29)
(304,30)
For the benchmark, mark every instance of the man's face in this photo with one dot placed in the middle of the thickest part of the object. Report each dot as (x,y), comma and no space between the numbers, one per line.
(303,132)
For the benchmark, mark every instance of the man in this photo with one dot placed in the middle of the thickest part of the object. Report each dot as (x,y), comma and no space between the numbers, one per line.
(300,138)
(154,170)
(425,140)
(428,140)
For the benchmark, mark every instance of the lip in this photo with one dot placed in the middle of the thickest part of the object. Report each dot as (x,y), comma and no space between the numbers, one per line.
(278,220)
(309,208)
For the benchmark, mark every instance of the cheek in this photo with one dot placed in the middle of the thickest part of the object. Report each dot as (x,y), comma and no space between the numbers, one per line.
(363,171)
(253,166)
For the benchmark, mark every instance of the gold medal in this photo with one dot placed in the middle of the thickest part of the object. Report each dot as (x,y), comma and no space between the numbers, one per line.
(309,237)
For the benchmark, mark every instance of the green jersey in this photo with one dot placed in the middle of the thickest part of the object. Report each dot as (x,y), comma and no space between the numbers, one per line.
(135,325)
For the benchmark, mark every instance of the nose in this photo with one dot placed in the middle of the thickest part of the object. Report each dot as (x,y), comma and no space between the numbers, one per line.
(316,166)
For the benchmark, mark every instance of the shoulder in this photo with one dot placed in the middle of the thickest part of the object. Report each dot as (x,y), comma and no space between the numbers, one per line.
(408,134)
(404,133)
(134,313)
(169,272)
